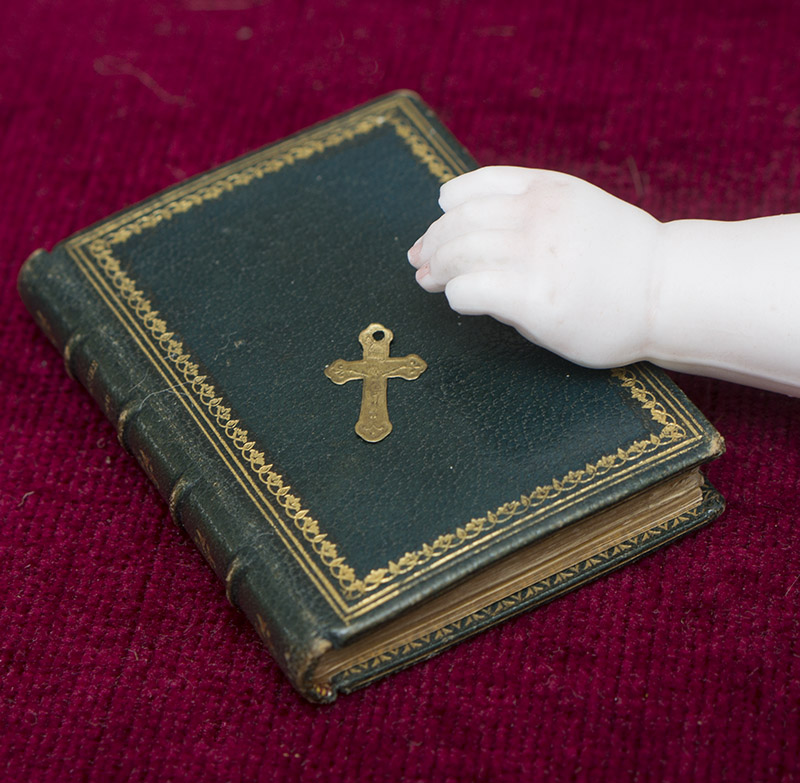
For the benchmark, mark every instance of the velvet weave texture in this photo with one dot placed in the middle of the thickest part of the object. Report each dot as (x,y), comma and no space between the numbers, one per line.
(120,658)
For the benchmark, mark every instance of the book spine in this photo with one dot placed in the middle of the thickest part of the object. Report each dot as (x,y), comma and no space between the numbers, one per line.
(152,425)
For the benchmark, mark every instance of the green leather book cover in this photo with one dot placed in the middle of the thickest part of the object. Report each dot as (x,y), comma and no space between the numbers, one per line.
(216,324)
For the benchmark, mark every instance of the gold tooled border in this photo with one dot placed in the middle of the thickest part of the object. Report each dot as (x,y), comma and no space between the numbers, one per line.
(349,594)
(404,655)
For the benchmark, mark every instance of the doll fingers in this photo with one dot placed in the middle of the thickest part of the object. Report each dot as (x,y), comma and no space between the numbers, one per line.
(488,213)
(497,180)
(472,252)
(483,182)
(489,292)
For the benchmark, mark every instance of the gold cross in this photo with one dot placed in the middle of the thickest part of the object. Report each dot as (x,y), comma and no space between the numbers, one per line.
(375,369)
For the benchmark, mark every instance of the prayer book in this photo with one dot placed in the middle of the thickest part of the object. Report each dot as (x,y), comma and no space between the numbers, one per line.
(372,476)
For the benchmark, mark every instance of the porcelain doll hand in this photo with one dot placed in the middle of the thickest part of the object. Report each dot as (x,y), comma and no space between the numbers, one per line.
(565,263)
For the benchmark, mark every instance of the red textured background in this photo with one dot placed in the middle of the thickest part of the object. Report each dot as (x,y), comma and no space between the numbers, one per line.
(119,656)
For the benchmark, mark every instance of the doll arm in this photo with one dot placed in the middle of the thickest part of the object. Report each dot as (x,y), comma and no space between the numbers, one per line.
(728,301)
(603,283)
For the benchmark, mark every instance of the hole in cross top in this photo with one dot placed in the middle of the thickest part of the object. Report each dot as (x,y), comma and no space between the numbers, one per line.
(378,336)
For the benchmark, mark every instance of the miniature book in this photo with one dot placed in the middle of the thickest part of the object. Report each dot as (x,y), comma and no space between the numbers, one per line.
(372,477)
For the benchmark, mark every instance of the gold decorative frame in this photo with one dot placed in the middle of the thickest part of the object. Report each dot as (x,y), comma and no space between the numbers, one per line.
(362,674)
(348,594)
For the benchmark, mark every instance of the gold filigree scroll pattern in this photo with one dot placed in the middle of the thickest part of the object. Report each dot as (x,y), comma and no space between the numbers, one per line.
(272,163)
(520,599)
(352,586)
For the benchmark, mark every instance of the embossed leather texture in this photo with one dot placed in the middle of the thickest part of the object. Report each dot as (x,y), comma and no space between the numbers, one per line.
(203,321)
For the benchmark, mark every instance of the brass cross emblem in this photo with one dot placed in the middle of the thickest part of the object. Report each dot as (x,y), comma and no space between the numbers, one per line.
(375,369)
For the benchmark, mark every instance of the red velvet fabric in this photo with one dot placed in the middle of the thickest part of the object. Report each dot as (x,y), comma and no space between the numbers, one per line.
(119,656)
